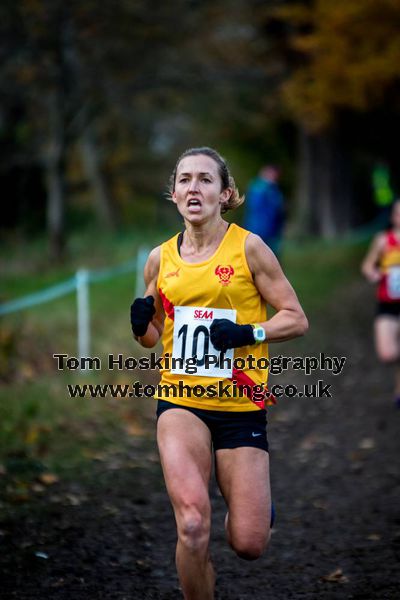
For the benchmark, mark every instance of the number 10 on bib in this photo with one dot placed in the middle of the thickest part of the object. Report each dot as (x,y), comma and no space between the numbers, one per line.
(192,339)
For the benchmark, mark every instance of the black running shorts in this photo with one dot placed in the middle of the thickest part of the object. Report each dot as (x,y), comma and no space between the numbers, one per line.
(389,309)
(229,429)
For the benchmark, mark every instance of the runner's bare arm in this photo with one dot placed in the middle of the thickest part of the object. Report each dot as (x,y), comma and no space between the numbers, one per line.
(156,327)
(369,266)
(289,320)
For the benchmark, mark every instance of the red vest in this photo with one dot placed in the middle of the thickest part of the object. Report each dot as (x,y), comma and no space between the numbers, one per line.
(389,285)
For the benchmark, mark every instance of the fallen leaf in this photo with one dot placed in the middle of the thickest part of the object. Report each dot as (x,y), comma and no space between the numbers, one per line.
(48,478)
(336,576)
(112,510)
(26,371)
(37,487)
(134,429)
(374,537)
(367,444)
(74,500)
(309,442)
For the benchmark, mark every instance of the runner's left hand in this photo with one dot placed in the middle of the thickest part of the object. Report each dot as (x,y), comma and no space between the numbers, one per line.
(225,334)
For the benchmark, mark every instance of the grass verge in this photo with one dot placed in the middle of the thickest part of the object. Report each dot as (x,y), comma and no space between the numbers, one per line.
(41,427)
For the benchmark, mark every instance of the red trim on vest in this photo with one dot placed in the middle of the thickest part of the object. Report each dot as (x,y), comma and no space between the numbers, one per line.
(244,380)
(382,292)
(167,304)
(391,239)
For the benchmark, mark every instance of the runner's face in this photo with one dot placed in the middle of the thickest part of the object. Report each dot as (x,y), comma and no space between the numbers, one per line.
(197,193)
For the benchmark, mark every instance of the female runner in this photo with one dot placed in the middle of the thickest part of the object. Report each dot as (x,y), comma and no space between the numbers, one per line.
(206,297)
(382,266)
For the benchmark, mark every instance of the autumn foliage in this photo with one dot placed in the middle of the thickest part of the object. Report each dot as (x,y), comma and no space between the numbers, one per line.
(349,57)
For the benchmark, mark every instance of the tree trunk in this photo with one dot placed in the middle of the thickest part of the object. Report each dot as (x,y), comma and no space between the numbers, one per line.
(324,186)
(92,165)
(54,156)
(323,196)
(303,194)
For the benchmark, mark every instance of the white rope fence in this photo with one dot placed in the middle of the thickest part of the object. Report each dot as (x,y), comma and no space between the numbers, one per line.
(80,283)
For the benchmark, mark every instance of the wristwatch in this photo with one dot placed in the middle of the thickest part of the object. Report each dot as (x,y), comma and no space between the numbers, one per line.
(258,333)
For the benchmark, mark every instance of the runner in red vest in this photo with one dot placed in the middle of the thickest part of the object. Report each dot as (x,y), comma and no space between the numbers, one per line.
(382,266)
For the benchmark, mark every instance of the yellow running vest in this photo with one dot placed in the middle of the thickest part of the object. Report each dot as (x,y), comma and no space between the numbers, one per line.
(193,294)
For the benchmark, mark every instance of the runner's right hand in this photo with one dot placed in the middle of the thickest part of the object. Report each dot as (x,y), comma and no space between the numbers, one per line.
(142,311)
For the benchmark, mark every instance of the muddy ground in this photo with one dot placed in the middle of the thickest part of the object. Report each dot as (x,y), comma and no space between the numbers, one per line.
(335,472)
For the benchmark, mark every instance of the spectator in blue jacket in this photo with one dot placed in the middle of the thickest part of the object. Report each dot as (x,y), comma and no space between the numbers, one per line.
(265,207)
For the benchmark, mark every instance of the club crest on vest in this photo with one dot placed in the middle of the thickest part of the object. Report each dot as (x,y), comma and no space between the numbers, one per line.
(224,273)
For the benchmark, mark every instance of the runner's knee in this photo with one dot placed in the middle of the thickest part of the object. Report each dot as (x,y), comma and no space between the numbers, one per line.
(387,355)
(250,548)
(194,528)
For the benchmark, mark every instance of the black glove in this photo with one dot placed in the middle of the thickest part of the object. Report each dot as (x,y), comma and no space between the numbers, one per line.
(142,311)
(224,334)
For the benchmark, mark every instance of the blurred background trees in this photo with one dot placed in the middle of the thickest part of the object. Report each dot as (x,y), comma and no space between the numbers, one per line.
(97,101)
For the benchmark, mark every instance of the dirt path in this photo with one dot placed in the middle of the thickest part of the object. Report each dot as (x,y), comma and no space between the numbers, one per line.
(336,487)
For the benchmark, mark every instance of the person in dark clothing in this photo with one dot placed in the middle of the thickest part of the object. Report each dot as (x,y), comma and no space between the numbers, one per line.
(264,204)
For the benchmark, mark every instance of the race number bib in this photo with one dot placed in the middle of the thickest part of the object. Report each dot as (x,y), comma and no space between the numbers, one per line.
(192,338)
(393,283)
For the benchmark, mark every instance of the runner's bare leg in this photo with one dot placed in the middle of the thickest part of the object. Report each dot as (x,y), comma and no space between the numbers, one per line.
(184,443)
(243,477)
(387,343)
